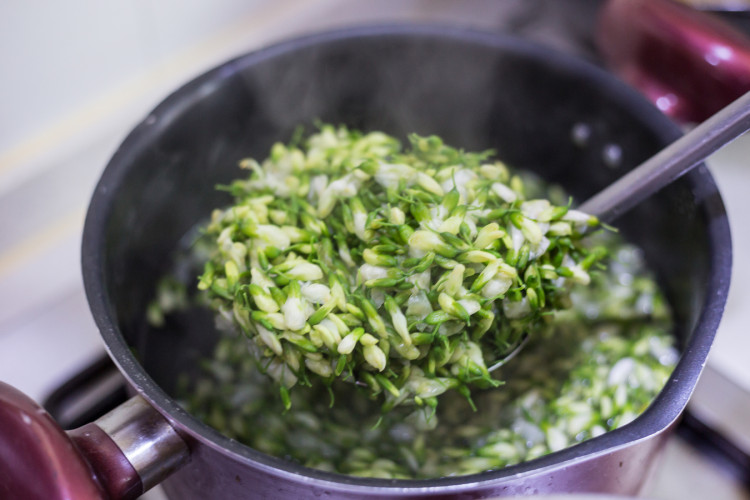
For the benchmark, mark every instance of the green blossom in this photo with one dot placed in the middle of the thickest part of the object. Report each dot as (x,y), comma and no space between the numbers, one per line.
(348,256)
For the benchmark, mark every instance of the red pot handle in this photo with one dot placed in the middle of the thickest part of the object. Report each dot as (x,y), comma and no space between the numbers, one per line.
(106,459)
(689,63)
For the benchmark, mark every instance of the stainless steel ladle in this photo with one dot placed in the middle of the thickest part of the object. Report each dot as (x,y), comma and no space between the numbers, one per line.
(660,170)
(671,162)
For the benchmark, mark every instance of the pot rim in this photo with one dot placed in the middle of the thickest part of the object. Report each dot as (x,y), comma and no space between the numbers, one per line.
(663,411)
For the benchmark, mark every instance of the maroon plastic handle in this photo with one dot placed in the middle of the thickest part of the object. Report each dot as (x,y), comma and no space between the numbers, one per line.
(689,63)
(40,460)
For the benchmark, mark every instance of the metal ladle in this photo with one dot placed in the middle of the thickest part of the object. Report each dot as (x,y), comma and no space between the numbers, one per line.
(671,162)
(660,170)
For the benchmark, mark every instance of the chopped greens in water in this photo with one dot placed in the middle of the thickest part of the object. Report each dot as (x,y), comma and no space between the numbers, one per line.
(591,369)
(588,368)
(406,270)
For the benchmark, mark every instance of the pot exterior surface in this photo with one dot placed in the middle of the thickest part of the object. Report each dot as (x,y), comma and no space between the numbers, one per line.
(620,471)
(475,90)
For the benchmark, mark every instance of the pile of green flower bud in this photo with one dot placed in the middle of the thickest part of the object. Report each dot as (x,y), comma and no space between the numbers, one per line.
(408,271)
(594,368)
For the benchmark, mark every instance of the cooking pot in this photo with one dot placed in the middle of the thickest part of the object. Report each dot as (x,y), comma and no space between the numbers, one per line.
(476,90)
(689,63)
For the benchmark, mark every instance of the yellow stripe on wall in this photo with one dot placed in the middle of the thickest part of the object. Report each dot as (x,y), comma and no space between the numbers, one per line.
(194,59)
(40,242)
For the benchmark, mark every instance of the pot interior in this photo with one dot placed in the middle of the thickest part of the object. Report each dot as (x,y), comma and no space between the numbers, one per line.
(561,118)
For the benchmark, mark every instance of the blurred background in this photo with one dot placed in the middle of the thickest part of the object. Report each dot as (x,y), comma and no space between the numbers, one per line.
(78,75)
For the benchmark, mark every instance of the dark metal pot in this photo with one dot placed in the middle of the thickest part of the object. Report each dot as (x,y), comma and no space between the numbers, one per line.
(476,90)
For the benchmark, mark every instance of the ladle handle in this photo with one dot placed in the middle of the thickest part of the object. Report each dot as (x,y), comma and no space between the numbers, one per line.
(671,162)
(119,456)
